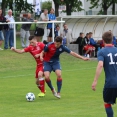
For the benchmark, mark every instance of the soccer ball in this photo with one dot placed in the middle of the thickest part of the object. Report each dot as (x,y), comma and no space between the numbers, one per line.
(30,97)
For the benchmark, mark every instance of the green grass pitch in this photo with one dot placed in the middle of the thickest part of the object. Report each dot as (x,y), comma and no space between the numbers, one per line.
(17,73)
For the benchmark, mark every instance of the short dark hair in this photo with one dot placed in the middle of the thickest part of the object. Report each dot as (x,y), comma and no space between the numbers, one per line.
(90,33)
(31,37)
(81,33)
(64,24)
(57,26)
(58,39)
(107,37)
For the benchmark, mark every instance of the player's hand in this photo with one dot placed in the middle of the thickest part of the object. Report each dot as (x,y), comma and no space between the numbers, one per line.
(37,55)
(35,20)
(86,59)
(41,58)
(94,85)
(12,48)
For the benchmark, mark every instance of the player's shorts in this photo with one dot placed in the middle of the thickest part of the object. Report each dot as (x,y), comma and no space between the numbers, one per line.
(52,66)
(110,95)
(49,32)
(1,36)
(39,32)
(87,47)
(39,68)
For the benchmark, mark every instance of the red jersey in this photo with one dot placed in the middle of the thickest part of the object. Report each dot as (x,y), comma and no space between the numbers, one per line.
(35,50)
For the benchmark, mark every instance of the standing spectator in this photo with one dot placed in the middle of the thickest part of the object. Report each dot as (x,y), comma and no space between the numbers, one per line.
(52,17)
(25,34)
(66,34)
(80,41)
(39,32)
(93,43)
(2,19)
(56,31)
(9,31)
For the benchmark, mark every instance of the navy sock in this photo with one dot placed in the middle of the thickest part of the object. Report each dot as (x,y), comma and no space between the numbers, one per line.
(48,81)
(59,84)
(109,110)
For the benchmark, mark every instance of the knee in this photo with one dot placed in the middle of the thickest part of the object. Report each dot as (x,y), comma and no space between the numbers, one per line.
(58,75)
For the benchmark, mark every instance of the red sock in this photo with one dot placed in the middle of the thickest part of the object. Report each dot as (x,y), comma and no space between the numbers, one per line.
(42,85)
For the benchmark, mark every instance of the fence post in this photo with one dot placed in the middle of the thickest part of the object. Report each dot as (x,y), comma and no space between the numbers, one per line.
(14,35)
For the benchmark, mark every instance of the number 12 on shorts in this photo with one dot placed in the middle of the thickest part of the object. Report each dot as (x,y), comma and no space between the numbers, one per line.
(111,59)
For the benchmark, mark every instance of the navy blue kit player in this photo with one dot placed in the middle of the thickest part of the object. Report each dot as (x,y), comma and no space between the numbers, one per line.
(107,59)
(51,62)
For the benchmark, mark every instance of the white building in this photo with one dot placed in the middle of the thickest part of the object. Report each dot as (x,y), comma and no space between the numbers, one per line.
(87,10)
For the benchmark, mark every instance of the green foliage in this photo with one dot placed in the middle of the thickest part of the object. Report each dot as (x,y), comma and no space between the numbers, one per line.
(47,5)
(71,5)
(105,4)
(19,5)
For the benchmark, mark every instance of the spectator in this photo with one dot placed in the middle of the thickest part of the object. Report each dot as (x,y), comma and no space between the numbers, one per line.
(93,43)
(80,42)
(114,40)
(39,32)
(2,19)
(52,17)
(56,31)
(25,34)
(87,47)
(9,31)
(66,35)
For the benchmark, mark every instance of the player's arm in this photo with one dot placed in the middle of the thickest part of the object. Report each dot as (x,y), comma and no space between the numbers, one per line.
(97,74)
(78,56)
(17,50)
(42,55)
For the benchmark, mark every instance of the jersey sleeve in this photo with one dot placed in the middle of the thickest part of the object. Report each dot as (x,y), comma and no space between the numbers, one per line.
(100,56)
(66,49)
(27,49)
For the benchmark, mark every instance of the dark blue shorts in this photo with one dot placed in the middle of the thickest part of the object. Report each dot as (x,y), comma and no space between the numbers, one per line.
(52,66)
(110,95)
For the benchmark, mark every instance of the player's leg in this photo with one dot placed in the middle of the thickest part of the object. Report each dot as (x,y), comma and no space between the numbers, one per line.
(47,71)
(57,69)
(41,83)
(109,110)
(59,82)
(109,97)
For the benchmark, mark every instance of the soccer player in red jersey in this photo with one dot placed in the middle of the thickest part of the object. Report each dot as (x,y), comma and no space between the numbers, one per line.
(35,48)
(51,62)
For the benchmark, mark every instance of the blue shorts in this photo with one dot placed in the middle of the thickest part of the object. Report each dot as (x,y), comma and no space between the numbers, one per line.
(110,95)
(1,35)
(52,66)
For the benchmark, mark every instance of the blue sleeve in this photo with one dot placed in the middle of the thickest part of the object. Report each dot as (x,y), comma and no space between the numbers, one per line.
(100,56)
(66,49)
(46,48)
(54,17)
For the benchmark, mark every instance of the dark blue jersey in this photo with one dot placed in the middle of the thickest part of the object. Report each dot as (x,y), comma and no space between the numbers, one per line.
(109,57)
(52,53)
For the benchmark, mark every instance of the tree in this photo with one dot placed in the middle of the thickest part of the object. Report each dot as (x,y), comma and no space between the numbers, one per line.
(46,5)
(71,5)
(19,5)
(105,4)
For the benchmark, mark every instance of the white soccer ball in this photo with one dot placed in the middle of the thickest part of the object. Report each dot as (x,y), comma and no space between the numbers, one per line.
(30,97)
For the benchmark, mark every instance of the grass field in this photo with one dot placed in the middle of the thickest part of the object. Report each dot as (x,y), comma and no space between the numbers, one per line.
(78,100)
